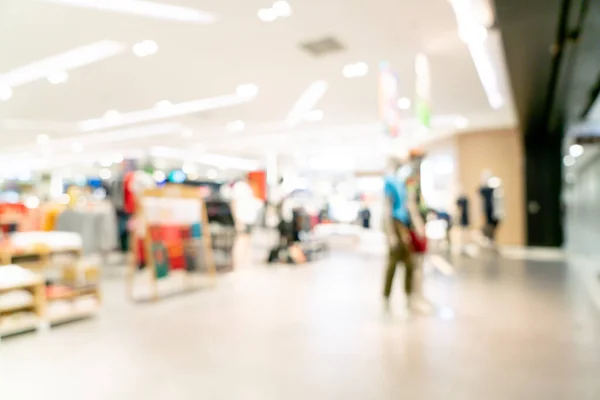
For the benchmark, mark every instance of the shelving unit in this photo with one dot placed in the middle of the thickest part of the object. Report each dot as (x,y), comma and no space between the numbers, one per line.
(36,259)
(37,306)
(40,260)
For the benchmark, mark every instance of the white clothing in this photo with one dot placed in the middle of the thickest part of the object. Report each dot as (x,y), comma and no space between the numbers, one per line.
(246,206)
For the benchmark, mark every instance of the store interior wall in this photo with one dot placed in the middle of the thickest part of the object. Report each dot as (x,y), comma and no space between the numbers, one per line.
(439,175)
(501,152)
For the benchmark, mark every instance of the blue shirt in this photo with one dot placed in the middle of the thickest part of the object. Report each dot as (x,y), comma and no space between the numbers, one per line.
(395,191)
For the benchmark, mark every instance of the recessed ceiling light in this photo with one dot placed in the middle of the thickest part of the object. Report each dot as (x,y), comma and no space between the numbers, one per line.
(144,8)
(42,139)
(5,93)
(66,61)
(211,173)
(105,174)
(404,103)
(247,90)
(111,114)
(159,176)
(267,15)
(77,147)
(576,150)
(461,122)
(58,77)
(569,161)
(282,8)
(236,126)
(189,168)
(145,48)
(187,133)
(355,70)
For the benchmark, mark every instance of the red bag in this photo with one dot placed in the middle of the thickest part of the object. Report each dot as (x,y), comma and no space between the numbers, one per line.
(418,243)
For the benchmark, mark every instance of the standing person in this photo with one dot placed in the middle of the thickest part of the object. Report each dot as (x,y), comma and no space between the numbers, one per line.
(365,216)
(400,212)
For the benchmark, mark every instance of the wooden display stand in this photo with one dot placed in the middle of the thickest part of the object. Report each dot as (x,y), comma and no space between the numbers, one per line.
(36,287)
(39,259)
(36,258)
(146,217)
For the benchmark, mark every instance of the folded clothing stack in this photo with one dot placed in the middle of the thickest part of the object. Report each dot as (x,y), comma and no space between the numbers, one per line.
(15,299)
(15,321)
(13,275)
(55,241)
(58,291)
(86,304)
(59,308)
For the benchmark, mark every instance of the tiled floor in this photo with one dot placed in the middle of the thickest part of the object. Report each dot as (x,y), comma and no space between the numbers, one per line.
(511,329)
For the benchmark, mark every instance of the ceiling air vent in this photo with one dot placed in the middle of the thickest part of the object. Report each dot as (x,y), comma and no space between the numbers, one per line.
(323,46)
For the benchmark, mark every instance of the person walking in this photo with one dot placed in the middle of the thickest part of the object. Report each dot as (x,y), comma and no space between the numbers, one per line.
(400,215)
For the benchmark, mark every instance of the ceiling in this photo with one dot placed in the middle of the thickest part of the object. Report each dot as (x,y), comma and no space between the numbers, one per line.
(200,61)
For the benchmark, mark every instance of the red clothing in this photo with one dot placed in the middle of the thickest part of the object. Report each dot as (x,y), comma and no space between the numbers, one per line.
(419,244)
(128,195)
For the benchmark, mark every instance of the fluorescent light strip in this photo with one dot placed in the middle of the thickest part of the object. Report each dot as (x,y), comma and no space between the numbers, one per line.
(32,163)
(474,34)
(308,99)
(216,160)
(143,8)
(43,126)
(63,62)
(105,137)
(487,75)
(173,110)
(123,134)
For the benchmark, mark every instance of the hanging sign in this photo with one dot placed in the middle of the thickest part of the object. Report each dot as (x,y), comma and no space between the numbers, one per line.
(388,99)
(423,90)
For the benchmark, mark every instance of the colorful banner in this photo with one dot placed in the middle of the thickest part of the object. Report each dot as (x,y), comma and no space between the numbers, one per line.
(388,99)
(423,90)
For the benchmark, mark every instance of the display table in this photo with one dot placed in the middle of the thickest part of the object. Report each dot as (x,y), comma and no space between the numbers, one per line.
(44,282)
(36,249)
(21,300)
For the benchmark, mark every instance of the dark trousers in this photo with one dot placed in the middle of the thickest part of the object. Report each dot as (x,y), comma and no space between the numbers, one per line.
(401,252)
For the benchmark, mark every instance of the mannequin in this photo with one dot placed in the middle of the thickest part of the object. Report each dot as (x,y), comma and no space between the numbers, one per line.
(399,215)
(493,204)
(462,204)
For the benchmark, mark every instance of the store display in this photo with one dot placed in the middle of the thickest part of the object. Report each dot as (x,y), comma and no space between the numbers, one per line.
(16,299)
(23,242)
(222,232)
(13,277)
(11,216)
(97,226)
(21,300)
(39,250)
(173,225)
(21,289)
